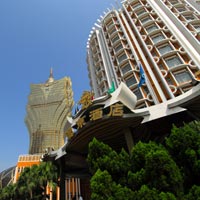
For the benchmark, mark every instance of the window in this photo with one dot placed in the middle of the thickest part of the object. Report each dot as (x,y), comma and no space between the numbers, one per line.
(183,77)
(100,78)
(118,48)
(115,39)
(189,17)
(122,57)
(126,69)
(131,81)
(112,31)
(173,61)
(138,94)
(146,19)
(98,68)
(181,9)
(151,28)
(136,6)
(197,27)
(140,12)
(173,2)
(109,25)
(157,38)
(164,49)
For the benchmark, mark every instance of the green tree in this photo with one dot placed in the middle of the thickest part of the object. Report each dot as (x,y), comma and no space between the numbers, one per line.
(184,146)
(145,193)
(103,188)
(103,157)
(47,176)
(8,192)
(162,173)
(194,193)
(139,153)
(32,183)
(27,181)
(153,166)
(149,168)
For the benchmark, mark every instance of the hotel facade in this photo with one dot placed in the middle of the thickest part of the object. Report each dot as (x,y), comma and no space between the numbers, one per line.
(162,36)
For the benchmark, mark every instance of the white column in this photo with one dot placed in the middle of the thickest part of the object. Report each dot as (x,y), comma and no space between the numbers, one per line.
(73,191)
(51,193)
(76,188)
(69,188)
(79,189)
(58,193)
(66,189)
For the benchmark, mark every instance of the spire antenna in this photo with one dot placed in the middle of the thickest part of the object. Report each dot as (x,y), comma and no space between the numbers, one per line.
(50,79)
(51,73)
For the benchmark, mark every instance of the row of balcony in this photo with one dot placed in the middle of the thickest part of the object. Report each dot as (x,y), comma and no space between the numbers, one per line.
(187,15)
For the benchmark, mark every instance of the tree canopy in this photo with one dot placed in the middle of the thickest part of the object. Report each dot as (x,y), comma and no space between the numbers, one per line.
(152,171)
(32,183)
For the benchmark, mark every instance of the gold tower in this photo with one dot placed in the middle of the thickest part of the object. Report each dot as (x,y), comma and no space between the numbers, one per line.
(48,106)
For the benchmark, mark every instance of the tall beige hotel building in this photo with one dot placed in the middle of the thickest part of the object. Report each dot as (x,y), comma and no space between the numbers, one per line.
(162,36)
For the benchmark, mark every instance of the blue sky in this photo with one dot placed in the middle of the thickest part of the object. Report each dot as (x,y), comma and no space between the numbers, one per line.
(36,35)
